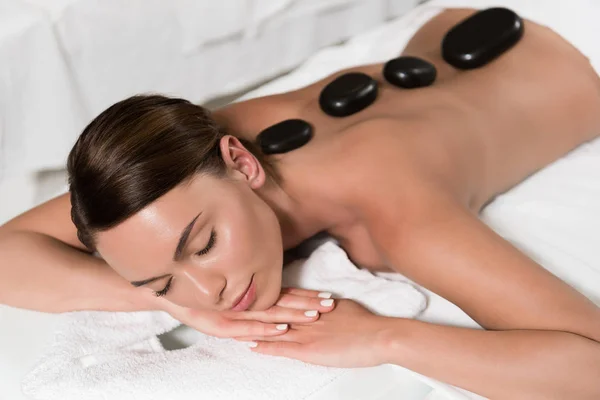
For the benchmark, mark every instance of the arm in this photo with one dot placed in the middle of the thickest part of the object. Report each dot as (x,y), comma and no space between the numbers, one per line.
(515,364)
(543,338)
(44,267)
(445,248)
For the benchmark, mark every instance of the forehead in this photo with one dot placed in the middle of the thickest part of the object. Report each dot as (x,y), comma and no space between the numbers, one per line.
(147,240)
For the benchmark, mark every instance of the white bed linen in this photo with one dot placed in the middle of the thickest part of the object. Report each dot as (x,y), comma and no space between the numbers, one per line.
(39,107)
(196,49)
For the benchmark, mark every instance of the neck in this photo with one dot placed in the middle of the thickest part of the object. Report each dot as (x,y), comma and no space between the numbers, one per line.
(299,220)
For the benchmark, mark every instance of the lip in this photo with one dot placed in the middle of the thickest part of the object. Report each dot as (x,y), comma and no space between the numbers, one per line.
(246,299)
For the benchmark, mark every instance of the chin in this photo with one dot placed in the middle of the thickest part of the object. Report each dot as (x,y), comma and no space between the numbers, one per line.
(267,292)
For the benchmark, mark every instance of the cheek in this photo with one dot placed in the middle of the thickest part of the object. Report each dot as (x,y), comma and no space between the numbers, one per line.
(248,222)
(237,242)
(251,229)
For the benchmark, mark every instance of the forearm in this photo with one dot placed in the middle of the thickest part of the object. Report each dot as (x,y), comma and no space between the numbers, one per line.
(513,364)
(41,273)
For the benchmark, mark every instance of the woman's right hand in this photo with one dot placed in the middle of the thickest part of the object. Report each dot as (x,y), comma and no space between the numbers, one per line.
(294,305)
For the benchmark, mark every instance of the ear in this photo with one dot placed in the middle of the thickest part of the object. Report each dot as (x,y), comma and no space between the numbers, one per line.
(241,162)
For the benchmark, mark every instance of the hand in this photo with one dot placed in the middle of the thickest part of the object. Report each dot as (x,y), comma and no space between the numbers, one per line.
(290,308)
(350,336)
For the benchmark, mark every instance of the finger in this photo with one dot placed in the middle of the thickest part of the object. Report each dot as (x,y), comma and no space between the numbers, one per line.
(290,336)
(252,328)
(306,292)
(277,314)
(306,303)
(279,349)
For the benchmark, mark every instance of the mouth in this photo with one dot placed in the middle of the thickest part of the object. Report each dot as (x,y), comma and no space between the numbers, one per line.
(245,300)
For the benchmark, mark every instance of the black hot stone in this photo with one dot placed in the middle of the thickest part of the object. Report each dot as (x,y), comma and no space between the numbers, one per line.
(348,94)
(409,72)
(285,136)
(481,38)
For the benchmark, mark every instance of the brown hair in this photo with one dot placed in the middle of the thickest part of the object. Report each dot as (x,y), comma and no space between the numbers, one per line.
(136,151)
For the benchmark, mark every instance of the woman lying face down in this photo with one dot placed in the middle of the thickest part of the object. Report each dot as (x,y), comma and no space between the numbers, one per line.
(185,207)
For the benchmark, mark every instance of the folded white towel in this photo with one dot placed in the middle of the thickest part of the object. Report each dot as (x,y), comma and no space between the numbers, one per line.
(108,355)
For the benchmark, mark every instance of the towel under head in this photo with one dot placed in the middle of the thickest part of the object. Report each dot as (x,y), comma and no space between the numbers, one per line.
(100,355)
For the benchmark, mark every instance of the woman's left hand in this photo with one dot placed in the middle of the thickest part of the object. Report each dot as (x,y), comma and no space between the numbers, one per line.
(349,336)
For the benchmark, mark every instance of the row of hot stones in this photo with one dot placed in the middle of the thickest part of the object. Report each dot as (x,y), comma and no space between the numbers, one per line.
(471,44)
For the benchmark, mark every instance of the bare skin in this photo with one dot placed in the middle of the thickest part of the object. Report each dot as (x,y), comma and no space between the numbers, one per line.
(400,185)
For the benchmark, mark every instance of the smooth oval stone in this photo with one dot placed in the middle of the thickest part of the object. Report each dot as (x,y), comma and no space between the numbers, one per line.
(481,38)
(348,94)
(409,72)
(285,136)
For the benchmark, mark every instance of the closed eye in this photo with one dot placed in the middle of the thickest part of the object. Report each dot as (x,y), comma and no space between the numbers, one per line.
(205,250)
(165,290)
(210,244)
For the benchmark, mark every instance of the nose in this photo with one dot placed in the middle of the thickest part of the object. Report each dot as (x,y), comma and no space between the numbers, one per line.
(207,285)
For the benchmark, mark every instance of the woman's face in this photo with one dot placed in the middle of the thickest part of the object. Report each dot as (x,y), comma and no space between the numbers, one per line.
(233,239)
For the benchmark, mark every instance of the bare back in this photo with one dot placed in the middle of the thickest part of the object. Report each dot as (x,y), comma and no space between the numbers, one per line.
(505,121)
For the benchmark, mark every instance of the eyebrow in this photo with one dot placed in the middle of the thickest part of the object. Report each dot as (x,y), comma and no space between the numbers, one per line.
(185,234)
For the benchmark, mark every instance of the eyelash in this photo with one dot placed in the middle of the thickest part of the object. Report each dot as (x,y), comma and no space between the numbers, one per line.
(209,245)
(165,290)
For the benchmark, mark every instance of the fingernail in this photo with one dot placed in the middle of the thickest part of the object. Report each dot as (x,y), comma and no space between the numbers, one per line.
(311,313)
(281,327)
(327,303)
(324,295)
(252,344)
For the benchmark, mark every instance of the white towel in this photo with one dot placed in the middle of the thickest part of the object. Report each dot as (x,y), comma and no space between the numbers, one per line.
(116,355)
